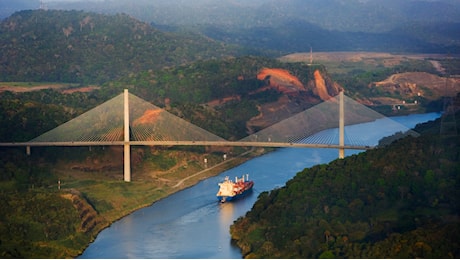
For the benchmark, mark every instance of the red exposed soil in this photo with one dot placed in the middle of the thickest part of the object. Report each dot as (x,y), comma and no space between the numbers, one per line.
(149,116)
(407,85)
(222,101)
(321,86)
(296,96)
(281,79)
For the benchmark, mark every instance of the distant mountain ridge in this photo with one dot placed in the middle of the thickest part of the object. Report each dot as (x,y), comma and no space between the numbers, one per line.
(348,16)
(422,26)
(295,25)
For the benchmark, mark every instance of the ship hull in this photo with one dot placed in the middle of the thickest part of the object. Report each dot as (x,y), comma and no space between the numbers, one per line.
(247,190)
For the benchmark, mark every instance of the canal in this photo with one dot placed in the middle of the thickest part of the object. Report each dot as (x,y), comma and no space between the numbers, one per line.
(192,224)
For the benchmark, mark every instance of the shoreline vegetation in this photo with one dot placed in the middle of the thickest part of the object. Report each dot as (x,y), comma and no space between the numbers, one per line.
(397,201)
(57,207)
(139,194)
(61,63)
(98,193)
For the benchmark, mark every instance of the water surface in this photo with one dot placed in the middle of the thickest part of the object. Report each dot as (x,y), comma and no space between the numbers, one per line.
(192,224)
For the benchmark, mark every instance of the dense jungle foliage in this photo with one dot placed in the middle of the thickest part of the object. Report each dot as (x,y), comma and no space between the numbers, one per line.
(206,81)
(399,201)
(39,218)
(31,114)
(76,46)
(36,219)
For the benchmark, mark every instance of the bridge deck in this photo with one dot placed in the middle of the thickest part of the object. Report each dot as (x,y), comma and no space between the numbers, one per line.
(189,143)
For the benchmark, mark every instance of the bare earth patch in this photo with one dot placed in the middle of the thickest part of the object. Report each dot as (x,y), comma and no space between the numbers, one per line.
(418,82)
(388,59)
(280,77)
(6,87)
(63,88)
(407,85)
(82,89)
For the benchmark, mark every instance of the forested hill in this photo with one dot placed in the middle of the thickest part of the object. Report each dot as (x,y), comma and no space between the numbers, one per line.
(401,201)
(77,46)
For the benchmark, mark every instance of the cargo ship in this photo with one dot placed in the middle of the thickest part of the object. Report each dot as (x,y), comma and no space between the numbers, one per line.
(231,190)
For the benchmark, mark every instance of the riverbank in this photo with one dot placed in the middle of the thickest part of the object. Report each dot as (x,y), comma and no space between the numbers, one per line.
(175,220)
(107,198)
(115,199)
(402,196)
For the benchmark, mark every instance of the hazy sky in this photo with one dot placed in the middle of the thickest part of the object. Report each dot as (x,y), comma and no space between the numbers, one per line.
(49,1)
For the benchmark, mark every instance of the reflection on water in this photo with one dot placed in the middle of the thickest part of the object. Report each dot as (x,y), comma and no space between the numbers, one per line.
(193,224)
(225,220)
(126,230)
(226,214)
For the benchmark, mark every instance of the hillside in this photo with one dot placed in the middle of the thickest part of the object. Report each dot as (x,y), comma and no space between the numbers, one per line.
(56,64)
(82,47)
(234,97)
(296,25)
(121,52)
(419,83)
(392,202)
(250,93)
(383,80)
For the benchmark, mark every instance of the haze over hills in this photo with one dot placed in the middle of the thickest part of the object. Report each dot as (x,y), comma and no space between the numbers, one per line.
(350,16)
(175,54)
(296,25)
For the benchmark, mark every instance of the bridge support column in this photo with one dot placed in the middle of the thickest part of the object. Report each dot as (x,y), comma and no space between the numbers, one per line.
(127,147)
(127,162)
(341,125)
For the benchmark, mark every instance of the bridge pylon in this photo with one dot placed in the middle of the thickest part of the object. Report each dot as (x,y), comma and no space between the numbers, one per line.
(127,120)
(127,146)
(341,126)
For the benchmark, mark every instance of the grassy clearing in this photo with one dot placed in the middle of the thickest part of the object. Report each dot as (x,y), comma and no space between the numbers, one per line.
(36,84)
(114,198)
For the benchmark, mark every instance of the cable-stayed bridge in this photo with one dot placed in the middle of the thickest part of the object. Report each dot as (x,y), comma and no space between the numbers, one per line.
(128,120)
